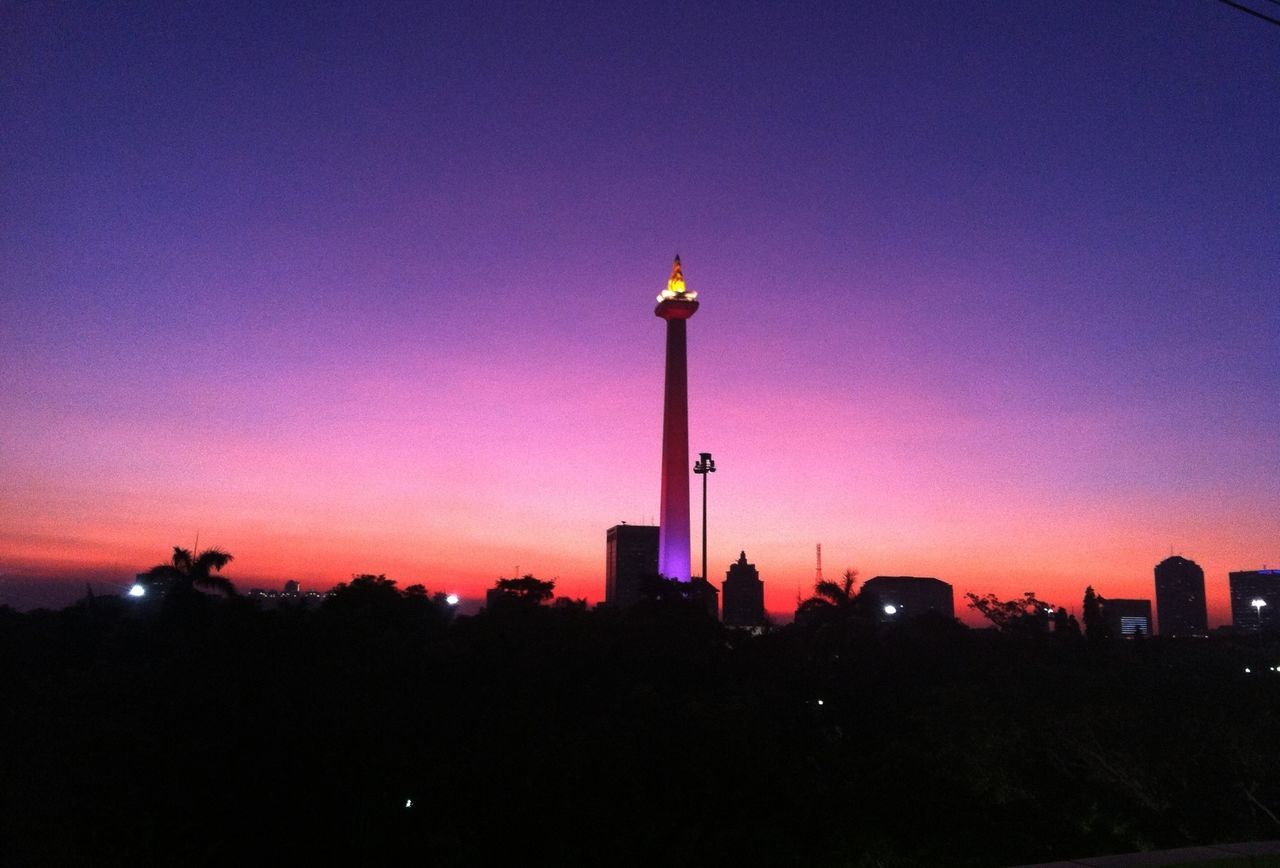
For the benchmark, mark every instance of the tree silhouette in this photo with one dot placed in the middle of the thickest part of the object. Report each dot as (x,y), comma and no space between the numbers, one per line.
(1092,617)
(1027,615)
(830,598)
(186,572)
(527,589)
(364,591)
(1064,625)
(1095,625)
(838,609)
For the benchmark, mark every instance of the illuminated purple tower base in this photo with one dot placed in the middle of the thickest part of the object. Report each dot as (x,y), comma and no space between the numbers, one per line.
(676,304)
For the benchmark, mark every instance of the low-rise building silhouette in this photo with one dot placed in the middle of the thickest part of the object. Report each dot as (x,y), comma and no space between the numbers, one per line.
(705,595)
(743,596)
(1255,599)
(901,597)
(1126,618)
(1180,601)
(631,556)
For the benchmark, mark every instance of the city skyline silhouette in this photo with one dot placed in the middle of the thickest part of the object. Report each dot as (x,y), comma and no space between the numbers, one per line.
(995,291)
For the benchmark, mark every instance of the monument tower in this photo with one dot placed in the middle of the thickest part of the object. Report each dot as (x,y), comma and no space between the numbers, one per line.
(676,304)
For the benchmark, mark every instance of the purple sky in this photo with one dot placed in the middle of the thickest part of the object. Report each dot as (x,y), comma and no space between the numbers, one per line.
(989,290)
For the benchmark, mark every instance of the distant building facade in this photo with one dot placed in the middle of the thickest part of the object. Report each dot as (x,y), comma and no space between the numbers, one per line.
(1255,600)
(743,595)
(901,597)
(631,556)
(1126,618)
(292,593)
(1180,602)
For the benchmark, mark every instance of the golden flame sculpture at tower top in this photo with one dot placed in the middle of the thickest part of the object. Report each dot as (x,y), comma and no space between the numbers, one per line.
(675,286)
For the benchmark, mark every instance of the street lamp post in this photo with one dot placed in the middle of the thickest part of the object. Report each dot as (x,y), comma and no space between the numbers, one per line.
(706,464)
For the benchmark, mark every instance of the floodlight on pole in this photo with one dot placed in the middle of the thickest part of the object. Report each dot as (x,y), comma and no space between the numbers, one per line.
(706,464)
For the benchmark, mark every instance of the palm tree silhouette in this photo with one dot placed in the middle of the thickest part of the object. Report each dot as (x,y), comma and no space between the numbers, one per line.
(185,572)
(832,601)
(839,594)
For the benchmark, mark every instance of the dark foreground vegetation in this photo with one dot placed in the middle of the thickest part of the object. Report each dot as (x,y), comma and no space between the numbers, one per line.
(378,729)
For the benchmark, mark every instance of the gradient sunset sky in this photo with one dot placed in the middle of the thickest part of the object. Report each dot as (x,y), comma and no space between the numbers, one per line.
(989,290)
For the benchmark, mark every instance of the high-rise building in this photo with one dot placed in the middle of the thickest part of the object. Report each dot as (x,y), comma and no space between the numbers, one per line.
(1255,599)
(675,305)
(1180,603)
(743,596)
(631,556)
(900,597)
(1126,618)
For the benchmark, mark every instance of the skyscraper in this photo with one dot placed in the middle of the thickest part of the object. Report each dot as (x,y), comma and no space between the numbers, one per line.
(1180,603)
(1255,599)
(631,556)
(743,596)
(675,305)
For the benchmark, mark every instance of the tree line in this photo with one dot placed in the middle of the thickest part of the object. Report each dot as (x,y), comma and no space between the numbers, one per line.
(196,726)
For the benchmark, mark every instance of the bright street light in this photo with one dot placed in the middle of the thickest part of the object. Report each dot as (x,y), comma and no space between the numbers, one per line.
(891,610)
(452,599)
(137,591)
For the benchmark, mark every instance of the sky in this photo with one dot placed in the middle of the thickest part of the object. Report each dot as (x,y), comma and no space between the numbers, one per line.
(989,291)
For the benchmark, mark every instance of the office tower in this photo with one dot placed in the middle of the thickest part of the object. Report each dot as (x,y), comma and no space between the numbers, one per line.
(1180,604)
(1255,599)
(743,596)
(631,556)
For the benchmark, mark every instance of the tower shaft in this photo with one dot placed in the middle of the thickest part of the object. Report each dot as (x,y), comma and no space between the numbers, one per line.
(673,535)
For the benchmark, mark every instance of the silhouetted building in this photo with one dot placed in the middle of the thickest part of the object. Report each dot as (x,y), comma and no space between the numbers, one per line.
(706,595)
(743,595)
(1255,599)
(1180,603)
(900,597)
(631,555)
(1126,618)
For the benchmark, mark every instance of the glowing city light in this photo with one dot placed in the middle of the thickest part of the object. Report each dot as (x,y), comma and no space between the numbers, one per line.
(891,610)
(408,803)
(137,591)
(1258,603)
(452,599)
